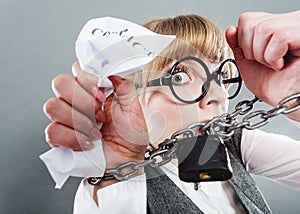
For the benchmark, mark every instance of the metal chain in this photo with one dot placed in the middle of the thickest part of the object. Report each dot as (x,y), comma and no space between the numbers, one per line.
(227,124)
(153,157)
(224,126)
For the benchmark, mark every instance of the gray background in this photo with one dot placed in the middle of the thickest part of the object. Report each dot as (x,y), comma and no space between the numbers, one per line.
(37,43)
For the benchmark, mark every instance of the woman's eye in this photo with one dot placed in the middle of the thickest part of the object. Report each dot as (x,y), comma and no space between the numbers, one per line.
(180,78)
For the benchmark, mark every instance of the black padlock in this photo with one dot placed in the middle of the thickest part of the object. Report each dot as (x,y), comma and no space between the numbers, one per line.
(203,158)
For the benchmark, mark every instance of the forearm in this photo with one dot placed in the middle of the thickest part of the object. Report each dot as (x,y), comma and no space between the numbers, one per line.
(281,162)
(295,115)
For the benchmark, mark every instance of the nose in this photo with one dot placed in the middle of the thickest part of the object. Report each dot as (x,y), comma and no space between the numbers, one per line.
(215,96)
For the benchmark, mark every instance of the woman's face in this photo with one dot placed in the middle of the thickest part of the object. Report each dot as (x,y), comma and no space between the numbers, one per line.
(165,114)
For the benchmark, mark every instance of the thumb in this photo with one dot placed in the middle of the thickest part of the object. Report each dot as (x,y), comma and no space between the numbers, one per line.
(125,90)
(232,40)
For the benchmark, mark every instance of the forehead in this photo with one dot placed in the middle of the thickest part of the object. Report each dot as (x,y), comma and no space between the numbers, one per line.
(195,63)
(163,63)
(211,64)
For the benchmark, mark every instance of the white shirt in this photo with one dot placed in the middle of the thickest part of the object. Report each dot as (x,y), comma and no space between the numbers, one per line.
(271,155)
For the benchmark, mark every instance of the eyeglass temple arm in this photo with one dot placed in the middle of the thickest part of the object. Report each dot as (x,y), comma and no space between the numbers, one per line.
(155,82)
(158,82)
(232,80)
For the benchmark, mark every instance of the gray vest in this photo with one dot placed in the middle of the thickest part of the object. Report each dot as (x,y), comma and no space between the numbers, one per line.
(163,196)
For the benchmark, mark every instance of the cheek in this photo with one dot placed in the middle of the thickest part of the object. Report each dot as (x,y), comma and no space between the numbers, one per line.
(157,125)
(166,118)
(163,118)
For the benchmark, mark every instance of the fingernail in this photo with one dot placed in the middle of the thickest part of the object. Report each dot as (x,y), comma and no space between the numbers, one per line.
(95,133)
(100,116)
(95,91)
(116,80)
(88,145)
(74,69)
(98,94)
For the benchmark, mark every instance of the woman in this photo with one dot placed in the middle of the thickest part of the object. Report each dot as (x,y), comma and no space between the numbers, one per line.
(133,119)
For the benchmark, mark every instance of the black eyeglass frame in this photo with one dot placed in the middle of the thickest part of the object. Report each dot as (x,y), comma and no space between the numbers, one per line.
(167,80)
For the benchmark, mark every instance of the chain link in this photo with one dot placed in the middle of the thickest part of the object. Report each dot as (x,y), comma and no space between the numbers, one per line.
(228,124)
(296,107)
(224,126)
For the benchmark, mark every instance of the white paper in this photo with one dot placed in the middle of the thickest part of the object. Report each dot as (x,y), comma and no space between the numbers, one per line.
(105,46)
(63,162)
(110,46)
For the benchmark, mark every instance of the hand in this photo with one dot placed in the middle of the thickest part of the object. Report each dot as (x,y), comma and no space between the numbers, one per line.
(66,107)
(124,130)
(267,50)
(76,112)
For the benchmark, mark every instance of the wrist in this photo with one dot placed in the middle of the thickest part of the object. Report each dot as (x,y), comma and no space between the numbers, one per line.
(116,154)
(122,172)
(110,179)
(293,107)
(295,116)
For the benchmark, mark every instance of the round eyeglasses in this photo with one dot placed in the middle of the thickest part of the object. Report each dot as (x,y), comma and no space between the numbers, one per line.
(189,79)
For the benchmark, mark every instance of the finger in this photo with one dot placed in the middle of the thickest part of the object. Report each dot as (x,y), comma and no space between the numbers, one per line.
(245,34)
(88,82)
(128,112)
(262,36)
(276,50)
(68,89)
(59,111)
(231,36)
(60,135)
(125,90)
(232,40)
(247,25)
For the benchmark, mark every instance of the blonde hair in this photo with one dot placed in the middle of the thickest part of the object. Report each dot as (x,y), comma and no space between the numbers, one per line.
(199,32)
(194,34)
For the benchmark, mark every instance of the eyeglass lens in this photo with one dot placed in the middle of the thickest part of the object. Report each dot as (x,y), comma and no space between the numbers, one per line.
(190,79)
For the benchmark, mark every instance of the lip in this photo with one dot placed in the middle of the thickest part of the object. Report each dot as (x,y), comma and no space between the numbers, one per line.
(197,129)
(198,132)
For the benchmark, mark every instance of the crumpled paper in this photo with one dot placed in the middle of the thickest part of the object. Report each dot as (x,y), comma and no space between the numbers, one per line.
(105,46)
(63,162)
